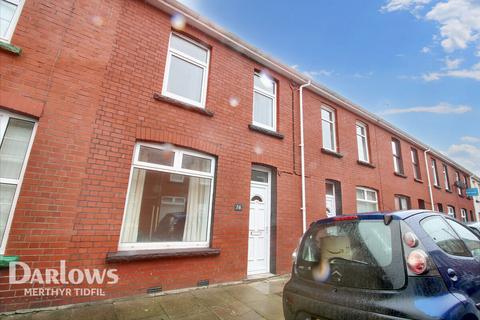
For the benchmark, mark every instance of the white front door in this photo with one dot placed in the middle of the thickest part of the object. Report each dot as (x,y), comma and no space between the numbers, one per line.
(259,225)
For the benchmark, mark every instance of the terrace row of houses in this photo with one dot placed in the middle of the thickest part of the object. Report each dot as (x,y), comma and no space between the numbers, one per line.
(178,155)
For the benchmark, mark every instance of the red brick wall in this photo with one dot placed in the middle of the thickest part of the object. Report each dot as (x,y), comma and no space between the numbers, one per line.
(95,66)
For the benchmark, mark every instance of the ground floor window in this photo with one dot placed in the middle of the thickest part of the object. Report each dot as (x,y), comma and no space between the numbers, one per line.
(402,202)
(463,212)
(15,142)
(169,201)
(367,200)
(451,211)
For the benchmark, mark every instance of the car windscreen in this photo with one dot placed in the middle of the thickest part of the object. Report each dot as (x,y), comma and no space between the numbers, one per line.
(355,253)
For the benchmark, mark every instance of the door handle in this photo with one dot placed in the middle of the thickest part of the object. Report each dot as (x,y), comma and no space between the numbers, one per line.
(452,274)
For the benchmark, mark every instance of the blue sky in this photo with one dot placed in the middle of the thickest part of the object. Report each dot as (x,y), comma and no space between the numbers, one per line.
(414,62)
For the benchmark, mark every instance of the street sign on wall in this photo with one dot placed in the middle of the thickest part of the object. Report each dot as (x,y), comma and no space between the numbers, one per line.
(472,192)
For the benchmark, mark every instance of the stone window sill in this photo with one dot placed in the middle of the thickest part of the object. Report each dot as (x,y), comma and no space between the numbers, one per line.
(448,190)
(183,105)
(418,180)
(437,187)
(331,153)
(10,48)
(5,260)
(136,255)
(365,164)
(265,131)
(401,175)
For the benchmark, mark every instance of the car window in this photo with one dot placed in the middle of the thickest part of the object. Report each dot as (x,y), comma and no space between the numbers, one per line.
(444,236)
(469,238)
(357,254)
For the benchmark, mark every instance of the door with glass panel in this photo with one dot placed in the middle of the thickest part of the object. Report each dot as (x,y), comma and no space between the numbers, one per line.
(15,141)
(259,222)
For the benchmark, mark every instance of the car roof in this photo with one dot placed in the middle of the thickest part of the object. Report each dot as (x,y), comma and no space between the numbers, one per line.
(396,215)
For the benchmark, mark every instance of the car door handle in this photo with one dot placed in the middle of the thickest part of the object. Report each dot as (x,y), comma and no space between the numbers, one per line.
(452,274)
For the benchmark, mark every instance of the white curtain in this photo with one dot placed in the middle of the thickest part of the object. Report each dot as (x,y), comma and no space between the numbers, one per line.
(134,205)
(196,221)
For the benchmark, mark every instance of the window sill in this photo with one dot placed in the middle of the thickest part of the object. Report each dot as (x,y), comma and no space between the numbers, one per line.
(366,164)
(136,255)
(265,131)
(401,175)
(5,260)
(10,48)
(418,180)
(449,191)
(331,153)
(183,105)
(437,187)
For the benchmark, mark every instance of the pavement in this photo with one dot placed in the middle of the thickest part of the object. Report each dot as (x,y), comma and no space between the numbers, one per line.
(260,299)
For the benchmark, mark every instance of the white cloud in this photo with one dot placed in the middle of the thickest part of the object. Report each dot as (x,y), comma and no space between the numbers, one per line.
(466,154)
(425,50)
(472,73)
(315,73)
(459,22)
(365,75)
(470,139)
(452,63)
(441,108)
(396,5)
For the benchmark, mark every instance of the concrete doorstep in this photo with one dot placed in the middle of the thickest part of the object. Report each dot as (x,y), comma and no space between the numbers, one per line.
(250,300)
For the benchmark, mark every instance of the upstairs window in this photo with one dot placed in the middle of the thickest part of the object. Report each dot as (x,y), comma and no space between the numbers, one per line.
(264,102)
(9,13)
(186,71)
(16,134)
(457,183)
(397,156)
(367,200)
(436,181)
(169,202)
(328,129)
(445,177)
(362,142)
(415,164)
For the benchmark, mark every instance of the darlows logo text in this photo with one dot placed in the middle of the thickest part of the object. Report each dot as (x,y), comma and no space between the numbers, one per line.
(62,276)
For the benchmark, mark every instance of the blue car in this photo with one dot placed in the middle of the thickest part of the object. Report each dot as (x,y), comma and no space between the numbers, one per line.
(412,264)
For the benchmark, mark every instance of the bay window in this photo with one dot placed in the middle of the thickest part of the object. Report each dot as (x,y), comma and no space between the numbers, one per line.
(186,71)
(16,135)
(264,102)
(367,200)
(169,202)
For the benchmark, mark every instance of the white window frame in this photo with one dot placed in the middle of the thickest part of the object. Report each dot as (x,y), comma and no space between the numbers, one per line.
(446,178)
(451,211)
(177,169)
(463,214)
(397,156)
(188,59)
(436,181)
(362,137)
(399,198)
(334,128)
(365,199)
(270,96)
(15,18)
(417,174)
(4,118)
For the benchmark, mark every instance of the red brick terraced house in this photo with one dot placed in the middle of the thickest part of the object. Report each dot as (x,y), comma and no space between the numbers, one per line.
(177,154)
